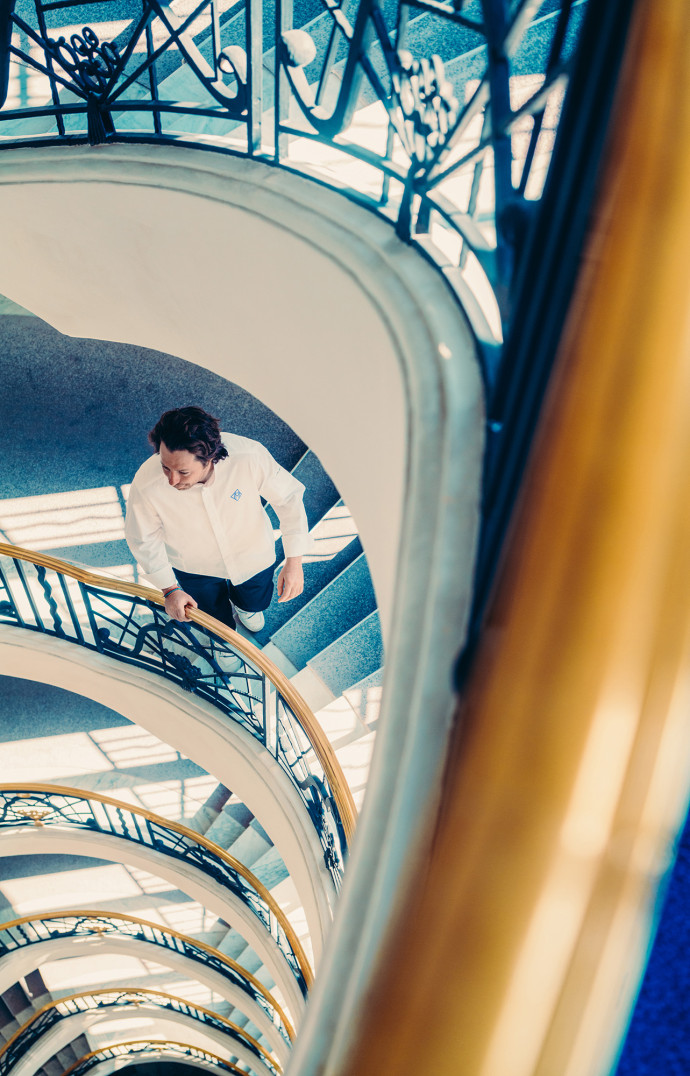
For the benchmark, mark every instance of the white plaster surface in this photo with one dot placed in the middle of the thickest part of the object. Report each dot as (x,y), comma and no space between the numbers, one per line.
(263,277)
(18,963)
(65,840)
(143,1022)
(199,732)
(405,449)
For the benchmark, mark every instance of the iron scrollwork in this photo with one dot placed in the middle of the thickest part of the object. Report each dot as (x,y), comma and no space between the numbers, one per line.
(100,73)
(172,1050)
(79,925)
(91,67)
(135,631)
(198,79)
(50,1016)
(428,111)
(44,807)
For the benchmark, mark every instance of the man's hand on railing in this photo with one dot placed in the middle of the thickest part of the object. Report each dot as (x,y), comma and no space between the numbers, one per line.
(177,601)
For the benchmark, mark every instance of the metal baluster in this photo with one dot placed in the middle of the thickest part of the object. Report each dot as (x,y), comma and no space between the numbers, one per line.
(70,606)
(153,80)
(52,604)
(27,590)
(255,50)
(400,39)
(51,70)
(11,598)
(281,104)
(86,598)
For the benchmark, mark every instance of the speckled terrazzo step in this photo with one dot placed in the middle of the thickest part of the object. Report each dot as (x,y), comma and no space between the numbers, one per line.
(344,602)
(360,650)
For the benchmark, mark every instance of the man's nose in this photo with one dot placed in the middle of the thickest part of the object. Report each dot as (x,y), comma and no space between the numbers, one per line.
(173,479)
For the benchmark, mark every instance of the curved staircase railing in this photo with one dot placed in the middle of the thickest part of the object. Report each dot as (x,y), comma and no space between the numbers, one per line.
(171,1050)
(125,621)
(76,923)
(463,148)
(51,1014)
(56,805)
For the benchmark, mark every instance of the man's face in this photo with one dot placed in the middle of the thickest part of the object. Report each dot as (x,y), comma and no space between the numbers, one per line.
(182,469)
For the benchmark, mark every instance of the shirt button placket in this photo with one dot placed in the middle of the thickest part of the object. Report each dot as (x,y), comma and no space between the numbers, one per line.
(218,530)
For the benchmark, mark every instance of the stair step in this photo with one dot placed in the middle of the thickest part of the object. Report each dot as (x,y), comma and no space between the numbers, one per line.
(224,831)
(319,494)
(210,810)
(231,945)
(66,1057)
(365,697)
(16,1001)
(8,1029)
(6,1016)
(81,1046)
(270,869)
(249,847)
(344,602)
(360,650)
(35,987)
(230,824)
(319,569)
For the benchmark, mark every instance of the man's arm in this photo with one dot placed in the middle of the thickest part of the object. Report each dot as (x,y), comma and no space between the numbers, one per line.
(144,535)
(285,494)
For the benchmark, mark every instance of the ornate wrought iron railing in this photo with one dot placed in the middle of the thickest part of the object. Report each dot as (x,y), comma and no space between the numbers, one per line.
(438,114)
(50,1015)
(54,805)
(126,622)
(172,1051)
(34,930)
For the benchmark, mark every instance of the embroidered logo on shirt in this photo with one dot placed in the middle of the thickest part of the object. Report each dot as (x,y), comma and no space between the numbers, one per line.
(236,495)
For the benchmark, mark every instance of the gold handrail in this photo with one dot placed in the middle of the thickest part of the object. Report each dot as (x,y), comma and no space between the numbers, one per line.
(153,1042)
(136,990)
(190,834)
(93,914)
(310,726)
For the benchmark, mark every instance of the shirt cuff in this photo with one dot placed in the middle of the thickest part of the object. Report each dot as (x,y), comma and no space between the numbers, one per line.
(162,579)
(297,545)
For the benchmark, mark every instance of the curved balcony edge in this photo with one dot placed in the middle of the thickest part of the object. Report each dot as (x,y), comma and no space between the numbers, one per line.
(62,1014)
(167,1047)
(44,815)
(199,731)
(69,1004)
(32,940)
(237,643)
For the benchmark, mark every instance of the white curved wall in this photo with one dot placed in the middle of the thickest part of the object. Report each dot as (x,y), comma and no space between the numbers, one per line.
(199,732)
(161,1024)
(18,963)
(57,839)
(398,425)
(258,275)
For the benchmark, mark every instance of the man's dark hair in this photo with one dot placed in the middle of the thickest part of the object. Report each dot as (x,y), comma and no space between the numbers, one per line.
(189,429)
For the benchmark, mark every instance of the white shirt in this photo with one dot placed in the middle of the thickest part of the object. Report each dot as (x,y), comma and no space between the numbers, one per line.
(219,527)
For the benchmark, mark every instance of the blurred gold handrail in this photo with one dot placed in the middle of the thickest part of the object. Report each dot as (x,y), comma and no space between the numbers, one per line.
(310,726)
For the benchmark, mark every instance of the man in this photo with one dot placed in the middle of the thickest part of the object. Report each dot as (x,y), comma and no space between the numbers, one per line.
(196,525)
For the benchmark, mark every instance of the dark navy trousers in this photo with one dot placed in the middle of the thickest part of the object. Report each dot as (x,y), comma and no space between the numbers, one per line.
(217,596)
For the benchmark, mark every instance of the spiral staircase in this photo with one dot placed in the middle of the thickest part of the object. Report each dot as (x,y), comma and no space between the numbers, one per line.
(184,879)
